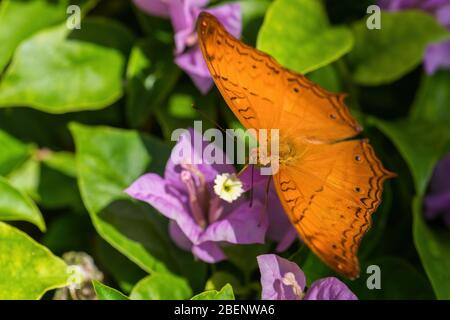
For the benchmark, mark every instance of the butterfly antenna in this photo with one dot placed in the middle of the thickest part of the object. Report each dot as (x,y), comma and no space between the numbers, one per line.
(207,117)
(266,200)
(251,187)
(266,203)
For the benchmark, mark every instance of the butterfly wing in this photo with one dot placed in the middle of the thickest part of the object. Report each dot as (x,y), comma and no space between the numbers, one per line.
(318,190)
(330,197)
(263,94)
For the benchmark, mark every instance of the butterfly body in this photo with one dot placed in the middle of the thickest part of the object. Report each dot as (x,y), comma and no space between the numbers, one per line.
(328,184)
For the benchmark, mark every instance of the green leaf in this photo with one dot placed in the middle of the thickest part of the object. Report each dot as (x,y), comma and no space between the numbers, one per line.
(107,293)
(385,55)
(28,268)
(125,273)
(431,103)
(26,178)
(63,162)
(105,32)
(20,19)
(220,279)
(151,75)
(49,179)
(161,287)
(108,161)
(433,245)
(298,35)
(15,205)
(399,280)
(420,143)
(13,153)
(226,293)
(55,74)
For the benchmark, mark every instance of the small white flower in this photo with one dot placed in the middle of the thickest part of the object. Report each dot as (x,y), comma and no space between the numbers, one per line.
(76,276)
(228,187)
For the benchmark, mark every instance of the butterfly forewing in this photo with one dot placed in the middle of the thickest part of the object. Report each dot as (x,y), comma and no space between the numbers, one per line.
(262,94)
(248,80)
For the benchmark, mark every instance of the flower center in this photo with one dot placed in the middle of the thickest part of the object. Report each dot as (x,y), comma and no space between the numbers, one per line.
(290,281)
(228,187)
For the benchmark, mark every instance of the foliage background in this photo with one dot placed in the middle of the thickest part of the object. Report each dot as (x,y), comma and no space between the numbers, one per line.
(84,113)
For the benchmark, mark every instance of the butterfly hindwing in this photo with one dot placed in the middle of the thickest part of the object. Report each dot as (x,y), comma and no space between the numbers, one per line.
(330,197)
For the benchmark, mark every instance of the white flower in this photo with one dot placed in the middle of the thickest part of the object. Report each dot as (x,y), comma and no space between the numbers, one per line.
(228,187)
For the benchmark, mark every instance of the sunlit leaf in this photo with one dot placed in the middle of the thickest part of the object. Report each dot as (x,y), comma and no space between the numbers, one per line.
(226,293)
(161,287)
(298,35)
(28,268)
(15,205)
(57,74)
(107,293)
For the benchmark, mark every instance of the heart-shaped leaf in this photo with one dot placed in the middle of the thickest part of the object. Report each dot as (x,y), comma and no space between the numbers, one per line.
(385,55)
(298,35)
(107,293)
(13,153)
(15,205)
(28,268)
(21,19)
(161,287)
(57,72)
(226,293)
(431,102)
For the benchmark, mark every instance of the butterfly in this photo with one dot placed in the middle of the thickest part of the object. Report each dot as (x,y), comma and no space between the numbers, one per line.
(329,185)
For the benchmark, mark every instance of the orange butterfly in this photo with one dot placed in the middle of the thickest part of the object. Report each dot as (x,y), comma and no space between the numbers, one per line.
(328,186)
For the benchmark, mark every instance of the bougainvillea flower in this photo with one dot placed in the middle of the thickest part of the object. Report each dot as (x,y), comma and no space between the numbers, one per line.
(437,202)
(183,15)
(280,228)
(437,55)
(200,220)
(282,279)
